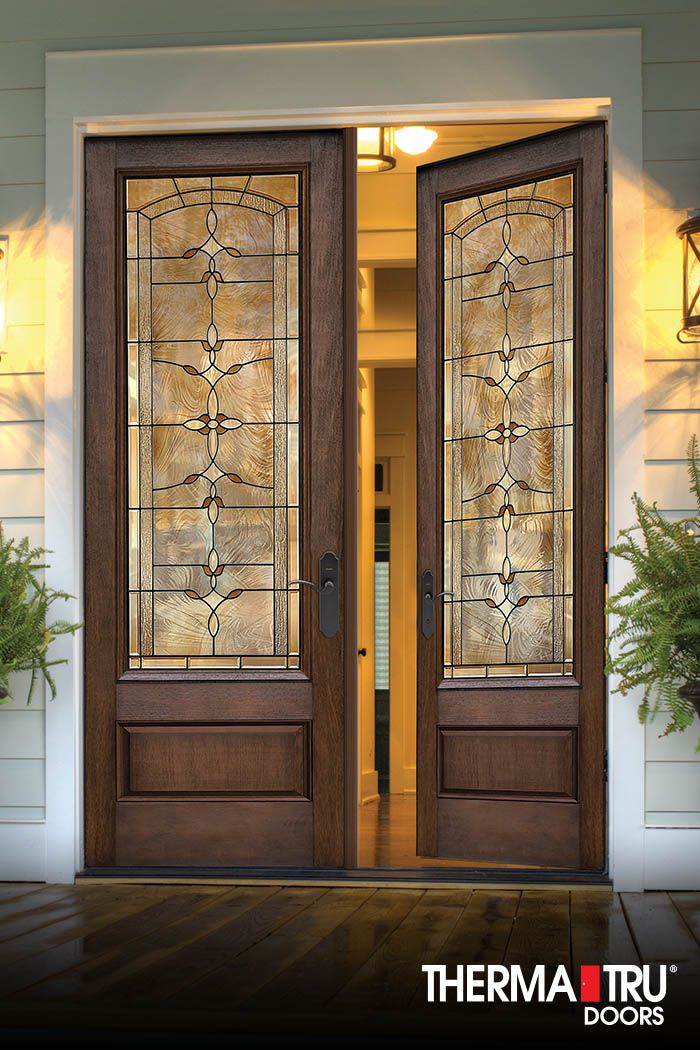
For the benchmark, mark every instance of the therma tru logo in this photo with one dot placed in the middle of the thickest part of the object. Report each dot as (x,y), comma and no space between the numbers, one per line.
(630,996)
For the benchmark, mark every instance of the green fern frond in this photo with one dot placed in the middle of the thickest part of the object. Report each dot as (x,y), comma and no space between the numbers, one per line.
(655,642)
(25,601)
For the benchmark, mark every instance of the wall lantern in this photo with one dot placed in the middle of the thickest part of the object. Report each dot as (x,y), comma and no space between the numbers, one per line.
(4,247)
(375,149)
(689,233)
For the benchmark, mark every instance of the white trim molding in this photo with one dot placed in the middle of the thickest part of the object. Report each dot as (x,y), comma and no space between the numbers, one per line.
(558,76)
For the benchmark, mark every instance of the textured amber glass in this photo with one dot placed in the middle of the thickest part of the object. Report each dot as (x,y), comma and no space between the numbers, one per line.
(508,431)
(212,275)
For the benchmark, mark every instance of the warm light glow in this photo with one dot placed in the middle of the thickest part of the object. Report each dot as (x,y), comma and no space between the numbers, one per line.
(689,232)
(4,244)
(415,140)
(375,148)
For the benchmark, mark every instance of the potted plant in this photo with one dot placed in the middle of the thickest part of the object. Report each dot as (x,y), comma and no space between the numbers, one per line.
(25,601)
(657,630)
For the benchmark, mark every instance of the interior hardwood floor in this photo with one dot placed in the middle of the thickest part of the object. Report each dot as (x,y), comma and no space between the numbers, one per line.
(341,961)
(388,838)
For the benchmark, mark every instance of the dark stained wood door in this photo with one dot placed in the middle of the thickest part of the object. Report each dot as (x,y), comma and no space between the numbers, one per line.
(511,512)
(216,342)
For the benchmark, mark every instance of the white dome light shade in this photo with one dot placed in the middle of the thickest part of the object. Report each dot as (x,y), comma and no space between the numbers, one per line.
(414,140)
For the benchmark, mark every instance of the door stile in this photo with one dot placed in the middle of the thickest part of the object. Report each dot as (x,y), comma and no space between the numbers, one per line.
(429,545)
(350,424)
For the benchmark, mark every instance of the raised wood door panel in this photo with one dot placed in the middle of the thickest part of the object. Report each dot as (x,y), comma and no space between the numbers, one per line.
(511,507)
(215,371)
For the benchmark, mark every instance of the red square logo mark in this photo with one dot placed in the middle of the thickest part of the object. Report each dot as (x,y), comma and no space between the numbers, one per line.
(590,984)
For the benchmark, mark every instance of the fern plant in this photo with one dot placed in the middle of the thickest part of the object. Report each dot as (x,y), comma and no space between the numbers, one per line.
(25,601)
(657,629)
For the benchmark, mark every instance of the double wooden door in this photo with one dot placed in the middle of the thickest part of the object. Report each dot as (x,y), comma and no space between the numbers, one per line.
(220,447)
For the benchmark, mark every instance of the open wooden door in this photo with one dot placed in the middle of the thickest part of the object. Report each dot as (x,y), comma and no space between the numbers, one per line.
(511,504)
(215,332)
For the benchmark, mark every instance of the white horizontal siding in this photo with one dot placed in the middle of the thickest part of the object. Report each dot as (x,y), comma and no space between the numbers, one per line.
(22,159)
(670,85)
(22,398)
(672,184)
(672,818)
(22,492)
(22,733)
(667,434)
(673,385)
(674,747)
(21,814)
(672,135)
(19,693)
(24,201)
(668,484)
(22,112)
(672,775)
(24,354)
(672,858)
(661,326)
(22,781)
(673,786)
(22,445)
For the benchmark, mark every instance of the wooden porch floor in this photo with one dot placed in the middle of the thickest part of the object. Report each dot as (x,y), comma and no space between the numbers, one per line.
(341,960)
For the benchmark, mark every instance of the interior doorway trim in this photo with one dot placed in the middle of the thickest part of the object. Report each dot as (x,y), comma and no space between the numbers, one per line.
(560,76)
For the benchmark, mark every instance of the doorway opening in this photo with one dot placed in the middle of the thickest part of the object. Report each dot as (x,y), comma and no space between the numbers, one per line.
(388,488)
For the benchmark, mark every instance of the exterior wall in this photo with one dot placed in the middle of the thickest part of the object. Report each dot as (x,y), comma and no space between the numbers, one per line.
(672,170)
(672,166)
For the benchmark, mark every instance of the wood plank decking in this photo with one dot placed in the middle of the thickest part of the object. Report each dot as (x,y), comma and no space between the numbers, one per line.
(304,959)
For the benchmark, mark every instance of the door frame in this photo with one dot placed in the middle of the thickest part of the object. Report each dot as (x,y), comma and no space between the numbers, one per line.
(576,75)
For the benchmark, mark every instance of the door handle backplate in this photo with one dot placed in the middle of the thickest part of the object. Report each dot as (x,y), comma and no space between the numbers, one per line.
(328,594)
(428,597)
(328,590)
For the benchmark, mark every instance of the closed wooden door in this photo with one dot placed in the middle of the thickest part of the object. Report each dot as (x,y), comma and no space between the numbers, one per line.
(215,415)
(511,505)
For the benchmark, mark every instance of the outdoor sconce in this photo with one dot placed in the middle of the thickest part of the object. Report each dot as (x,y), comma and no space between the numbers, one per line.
(375,149)
(689,233)
(4,245)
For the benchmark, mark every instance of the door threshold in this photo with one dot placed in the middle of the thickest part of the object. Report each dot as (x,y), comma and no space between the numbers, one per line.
(388,878)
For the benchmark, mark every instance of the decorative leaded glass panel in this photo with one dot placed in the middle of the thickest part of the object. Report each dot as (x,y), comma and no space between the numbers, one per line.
(508,410)
(213,420)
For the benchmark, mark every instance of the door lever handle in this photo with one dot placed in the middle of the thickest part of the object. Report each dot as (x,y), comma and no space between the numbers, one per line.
(327,586)
(441,594)
(427,603)
(327,590)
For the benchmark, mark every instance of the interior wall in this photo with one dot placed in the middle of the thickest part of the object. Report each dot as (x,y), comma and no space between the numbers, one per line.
(672,167)
(368,786)
(395,437)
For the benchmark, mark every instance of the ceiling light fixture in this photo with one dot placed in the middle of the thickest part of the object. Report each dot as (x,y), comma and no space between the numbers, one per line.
(415,139)
(375,149)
